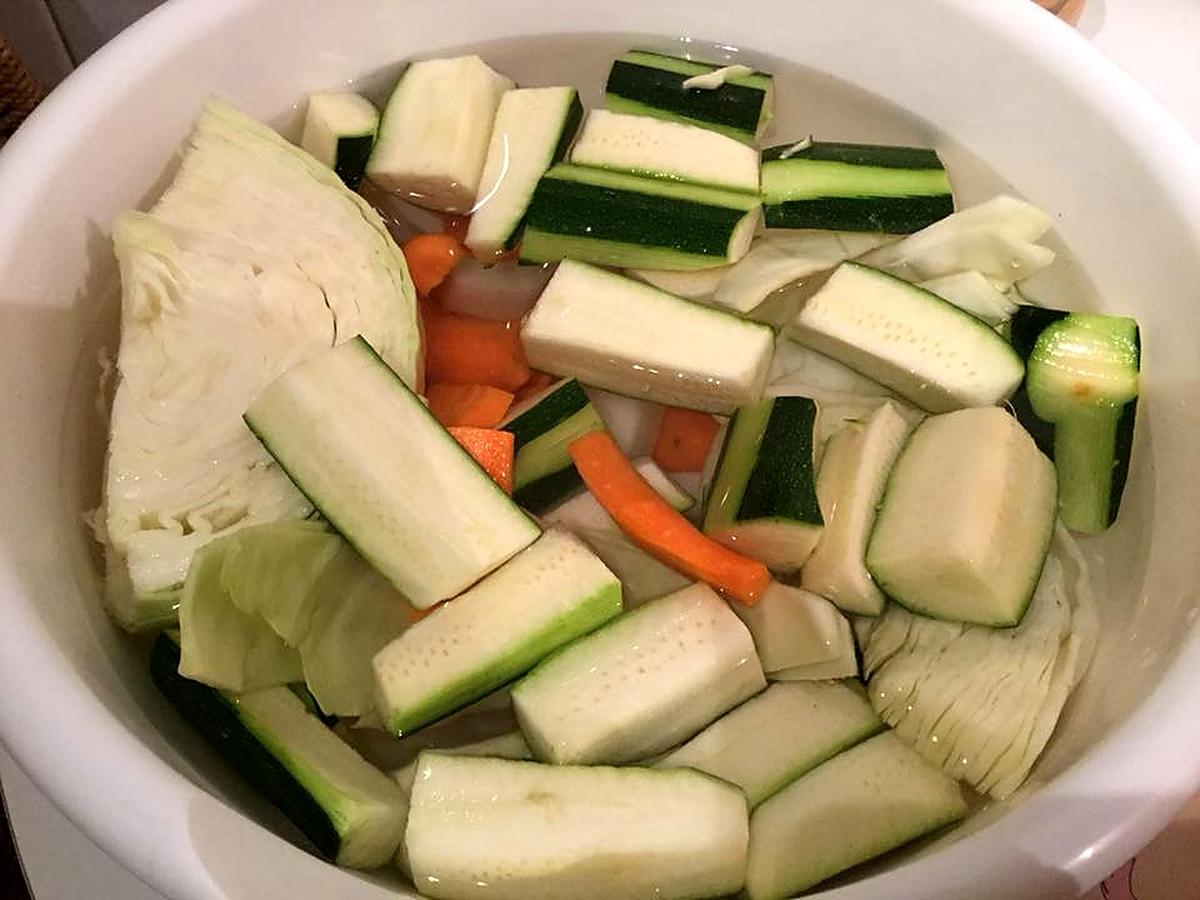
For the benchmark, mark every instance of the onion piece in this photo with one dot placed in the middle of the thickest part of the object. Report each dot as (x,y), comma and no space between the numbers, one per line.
(505,291)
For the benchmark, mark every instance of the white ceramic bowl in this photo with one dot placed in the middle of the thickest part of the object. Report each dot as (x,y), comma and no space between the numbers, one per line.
(1022,91)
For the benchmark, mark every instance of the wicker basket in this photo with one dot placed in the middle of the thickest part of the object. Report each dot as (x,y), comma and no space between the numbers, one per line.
(19,93)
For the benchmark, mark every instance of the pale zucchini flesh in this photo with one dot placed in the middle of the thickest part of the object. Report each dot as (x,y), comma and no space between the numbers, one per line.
(549,594)
(648,680)
(850,484)
(519,830)
(607,330)
(532,130)
(927,350)
(966,519)
(872,798)
(793,627)
(433,138)
(368,454)
(673,151)
(774,738)
(339,130)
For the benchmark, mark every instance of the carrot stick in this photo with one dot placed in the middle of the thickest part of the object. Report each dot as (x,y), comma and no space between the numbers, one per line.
(468,350)
(656,527)
(491,448)
(684,439)
(478,405)
(430,258)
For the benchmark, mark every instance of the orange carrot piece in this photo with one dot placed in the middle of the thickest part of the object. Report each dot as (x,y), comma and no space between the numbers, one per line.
(430,258)
(684,439)
(658,528)
(491,448)
(468,350)
(456,227)
(477,405)
(538,382)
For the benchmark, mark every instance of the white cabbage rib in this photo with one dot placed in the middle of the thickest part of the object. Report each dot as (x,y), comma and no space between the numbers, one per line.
(255,259)
(982,702)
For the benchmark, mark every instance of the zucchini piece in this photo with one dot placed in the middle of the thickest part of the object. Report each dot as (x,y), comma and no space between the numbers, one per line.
(673,151)
(793,628)
(925,349)
(433,138)
(367,453)
(614,219)
(763,501)
(866,801)
(542,429)
(504,746)
(774,738)
(854,471)
(608,331)
(339,130)
(223,646)
(652,84)
(854,187)
(845,665)
(646,681)
(518,830)
(533,128)
(549,594)
(966,519)
(1079,401)
(352,812)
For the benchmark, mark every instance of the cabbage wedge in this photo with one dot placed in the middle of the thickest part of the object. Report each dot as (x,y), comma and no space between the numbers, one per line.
(255,259)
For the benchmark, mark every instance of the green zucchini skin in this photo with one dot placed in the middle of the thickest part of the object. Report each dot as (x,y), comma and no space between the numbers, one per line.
(870,200)
(891,215)
(560,403)
(570,129)
(563,208)
(1027,326)
(350,159)
(217,721)
(732,108)
(781,483)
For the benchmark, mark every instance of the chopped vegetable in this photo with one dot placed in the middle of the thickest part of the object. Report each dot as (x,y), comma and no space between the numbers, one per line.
(685,438)
(572,833)
(854,187)
(491,448)
(339,130)
(370,456)
(256,258)
(793,628)
(656,527)
(434,135)
(641,684)
(430,258)
(537,383)
(966,520)
(504,291)
(466,350)
(468,405)
(652,84)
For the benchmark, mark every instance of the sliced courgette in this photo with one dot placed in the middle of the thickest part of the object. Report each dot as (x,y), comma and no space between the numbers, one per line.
(533,128)
(339,130)
(641,684)
(549,594)
(763,500)
(854,187)
(400,489)
(610,331)
(652,84)
(542,428)
(352,812)
(1079,401)
(615,219)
